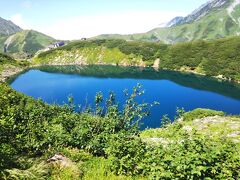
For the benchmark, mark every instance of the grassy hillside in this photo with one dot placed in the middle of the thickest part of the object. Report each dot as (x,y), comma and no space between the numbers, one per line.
(110,146)
(27,42)
(217,24)
(214,58)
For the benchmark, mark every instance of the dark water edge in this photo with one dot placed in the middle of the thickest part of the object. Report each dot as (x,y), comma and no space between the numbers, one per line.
(12,78)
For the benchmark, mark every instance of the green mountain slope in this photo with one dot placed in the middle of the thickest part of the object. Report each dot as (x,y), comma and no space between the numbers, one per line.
(214,23)
(26,42)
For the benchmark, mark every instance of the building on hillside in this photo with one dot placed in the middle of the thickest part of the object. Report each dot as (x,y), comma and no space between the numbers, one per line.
(55,45)
(59,44)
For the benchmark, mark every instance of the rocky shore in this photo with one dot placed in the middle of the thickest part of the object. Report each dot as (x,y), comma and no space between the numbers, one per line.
(9,71)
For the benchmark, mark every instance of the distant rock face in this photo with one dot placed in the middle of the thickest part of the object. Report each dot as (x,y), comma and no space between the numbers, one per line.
(200,12)
(8,27)
(175,21)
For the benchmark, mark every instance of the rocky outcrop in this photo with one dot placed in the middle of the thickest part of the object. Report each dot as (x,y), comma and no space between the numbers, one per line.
(60,159)
(199,13)
(61,163)
(156,64)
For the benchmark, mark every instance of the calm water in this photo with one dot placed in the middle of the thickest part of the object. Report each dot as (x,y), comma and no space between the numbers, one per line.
(171,89)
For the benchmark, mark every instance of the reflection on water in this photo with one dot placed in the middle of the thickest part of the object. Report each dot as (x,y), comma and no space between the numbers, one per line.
(185,79)
(172,89)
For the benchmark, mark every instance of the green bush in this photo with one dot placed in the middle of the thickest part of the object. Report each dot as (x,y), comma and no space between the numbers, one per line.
(194,157)
(126,153)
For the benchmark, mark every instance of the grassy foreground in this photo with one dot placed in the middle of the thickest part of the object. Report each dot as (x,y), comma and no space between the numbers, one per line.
(105,142)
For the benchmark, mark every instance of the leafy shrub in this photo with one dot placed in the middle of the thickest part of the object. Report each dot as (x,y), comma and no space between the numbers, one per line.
(125,153)
(194,157)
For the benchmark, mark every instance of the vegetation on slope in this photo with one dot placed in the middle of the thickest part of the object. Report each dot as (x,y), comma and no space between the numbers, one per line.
(118,52)
(106,143)
(212,58)
(96,52)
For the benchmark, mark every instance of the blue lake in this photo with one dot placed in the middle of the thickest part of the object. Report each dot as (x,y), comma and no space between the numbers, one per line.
(53,84)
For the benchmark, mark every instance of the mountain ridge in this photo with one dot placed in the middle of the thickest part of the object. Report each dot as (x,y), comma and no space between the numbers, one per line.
(214,20)
(8,27)
(27,42)
(21,43)
(202,11)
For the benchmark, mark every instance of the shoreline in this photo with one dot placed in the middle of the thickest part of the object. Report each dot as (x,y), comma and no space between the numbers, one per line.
(7,74)
(219,77)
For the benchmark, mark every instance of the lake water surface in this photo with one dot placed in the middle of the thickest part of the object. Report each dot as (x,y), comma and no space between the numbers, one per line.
(54,84)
